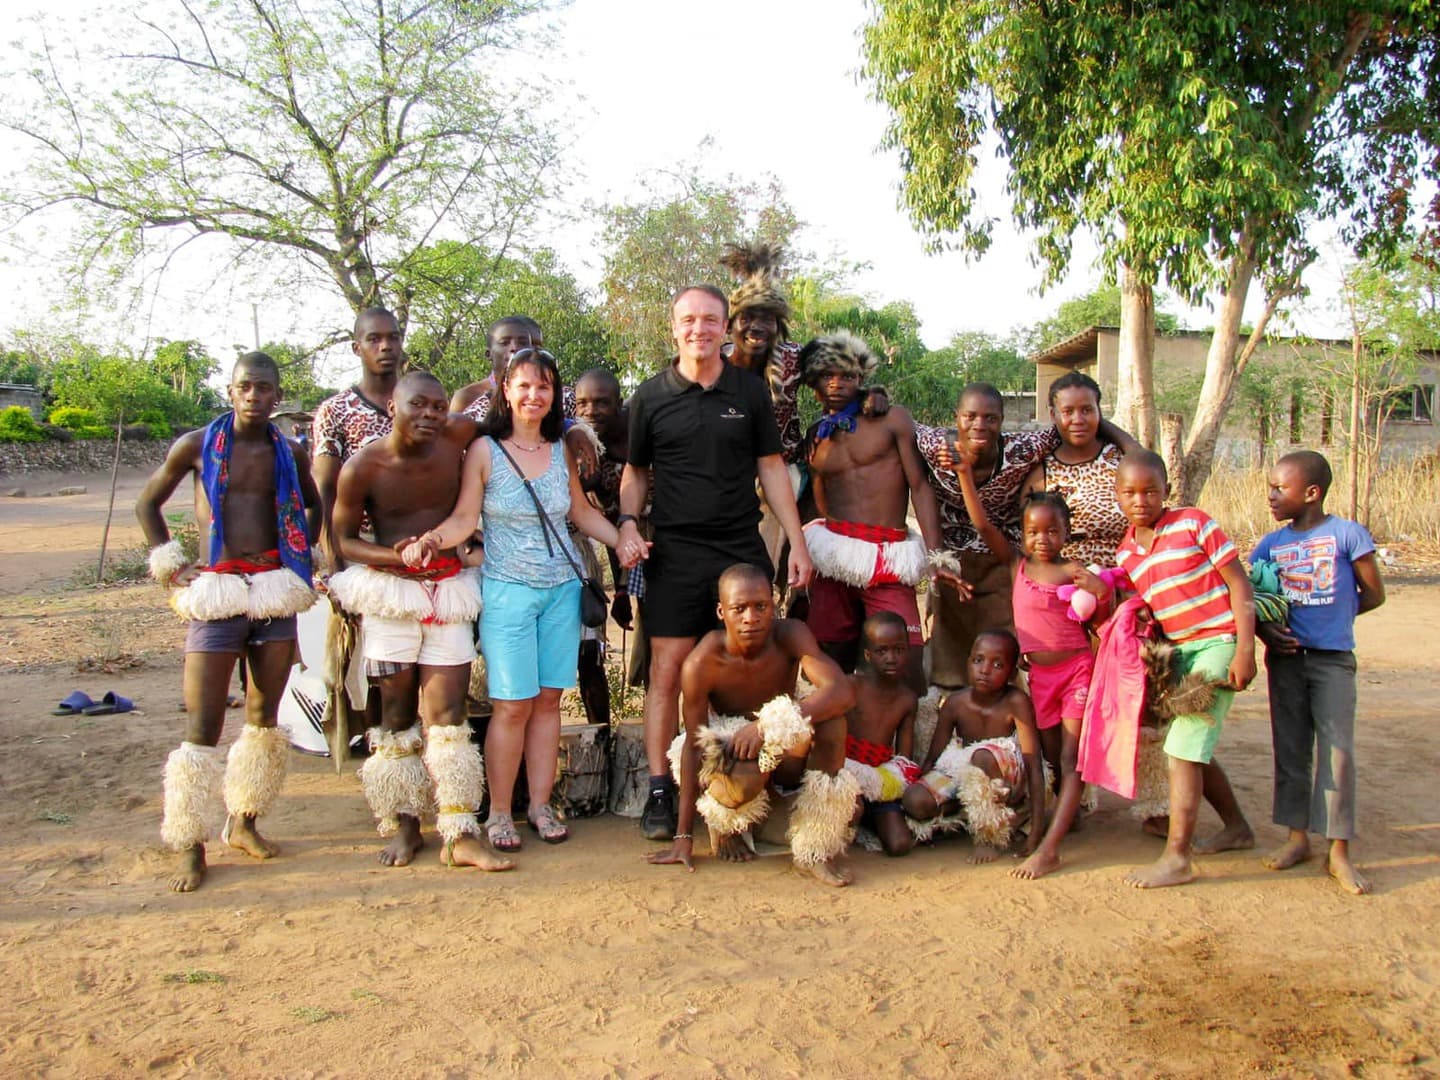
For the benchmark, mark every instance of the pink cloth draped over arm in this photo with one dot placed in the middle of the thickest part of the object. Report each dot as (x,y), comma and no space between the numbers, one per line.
(1110,738)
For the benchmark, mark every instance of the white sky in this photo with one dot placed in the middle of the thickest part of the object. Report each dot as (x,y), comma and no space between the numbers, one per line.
(655,79)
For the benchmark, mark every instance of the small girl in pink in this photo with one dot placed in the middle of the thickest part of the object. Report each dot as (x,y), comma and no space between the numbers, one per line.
(1055,647)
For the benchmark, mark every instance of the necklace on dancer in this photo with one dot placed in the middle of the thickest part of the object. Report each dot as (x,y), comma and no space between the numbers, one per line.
(521,446)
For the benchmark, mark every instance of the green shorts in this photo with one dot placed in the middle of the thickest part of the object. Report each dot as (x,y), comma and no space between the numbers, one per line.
(1193,738)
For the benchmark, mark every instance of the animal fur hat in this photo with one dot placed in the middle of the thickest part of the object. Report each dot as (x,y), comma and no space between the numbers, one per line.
(757,265)
(840,351)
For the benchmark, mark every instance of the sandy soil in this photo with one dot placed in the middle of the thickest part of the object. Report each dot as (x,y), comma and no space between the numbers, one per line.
(587,961)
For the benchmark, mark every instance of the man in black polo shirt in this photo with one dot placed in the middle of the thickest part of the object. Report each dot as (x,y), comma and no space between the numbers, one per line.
(707,430)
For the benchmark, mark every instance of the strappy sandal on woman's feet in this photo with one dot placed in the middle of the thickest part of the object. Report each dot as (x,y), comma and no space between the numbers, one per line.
(548,827)
(502,833)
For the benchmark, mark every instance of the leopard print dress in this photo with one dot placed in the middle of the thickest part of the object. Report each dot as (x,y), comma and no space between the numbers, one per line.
(1096,524)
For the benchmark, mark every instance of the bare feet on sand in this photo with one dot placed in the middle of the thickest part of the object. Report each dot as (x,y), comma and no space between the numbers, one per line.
(472,851)
(1231,838)
(189,869)
(833,873)
(241,835)
(1165,871)
(1339,867)
(401,850)
(733,848)
(1291,853)
(1156,826)
(982,854)
(1040,863)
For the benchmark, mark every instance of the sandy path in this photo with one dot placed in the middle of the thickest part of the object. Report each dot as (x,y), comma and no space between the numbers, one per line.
(587,961)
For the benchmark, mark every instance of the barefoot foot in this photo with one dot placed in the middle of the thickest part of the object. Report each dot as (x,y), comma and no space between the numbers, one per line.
(1232,838)
(401,850)
(1346,875)
(983,854)
(472,851)
(832,873)
(733,848)
(1165,871)
(1156,826)
(1037,865)
(1291,853)
(240,834)
(189,869)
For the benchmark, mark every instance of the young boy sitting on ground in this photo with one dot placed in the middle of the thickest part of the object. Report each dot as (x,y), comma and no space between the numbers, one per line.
(984,757)
(1328,570)
(1185,568)
(880,732)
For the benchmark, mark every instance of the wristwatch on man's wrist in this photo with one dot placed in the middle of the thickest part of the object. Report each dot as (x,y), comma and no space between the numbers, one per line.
(622,519)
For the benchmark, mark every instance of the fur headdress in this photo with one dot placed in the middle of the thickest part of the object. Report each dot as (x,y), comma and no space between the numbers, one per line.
(840,351)
(757,265)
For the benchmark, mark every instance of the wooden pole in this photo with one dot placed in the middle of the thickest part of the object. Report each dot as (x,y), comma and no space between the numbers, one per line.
(110,510)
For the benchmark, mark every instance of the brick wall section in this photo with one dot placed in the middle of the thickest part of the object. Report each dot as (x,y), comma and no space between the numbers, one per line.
(88,456)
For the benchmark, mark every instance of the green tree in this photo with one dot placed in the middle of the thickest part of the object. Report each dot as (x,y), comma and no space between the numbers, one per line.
(1197,141)
(299,384)
(337,137)
(119,390)
(673,238)
(1100,306)
(186,366)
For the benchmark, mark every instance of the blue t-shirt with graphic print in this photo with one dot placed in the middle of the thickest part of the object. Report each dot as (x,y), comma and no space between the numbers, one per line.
(1318,576)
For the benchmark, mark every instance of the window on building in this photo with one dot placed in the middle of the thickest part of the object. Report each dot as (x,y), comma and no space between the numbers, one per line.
(1413,405)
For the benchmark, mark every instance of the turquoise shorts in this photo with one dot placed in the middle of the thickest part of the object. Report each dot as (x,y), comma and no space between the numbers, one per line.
(1193,738)
(530,637)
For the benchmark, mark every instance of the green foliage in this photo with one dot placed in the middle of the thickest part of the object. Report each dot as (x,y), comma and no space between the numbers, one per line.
(68,416)
(17,425)
(327,139)
(113,388)
(672,239)
(299,386)
(1099,307)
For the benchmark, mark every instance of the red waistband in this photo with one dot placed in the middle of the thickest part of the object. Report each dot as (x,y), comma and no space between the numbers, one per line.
(874,534)
(867,752)
(440,568)
(257,564)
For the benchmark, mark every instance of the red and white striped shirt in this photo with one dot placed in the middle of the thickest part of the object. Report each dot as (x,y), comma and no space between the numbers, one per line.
(1179,576)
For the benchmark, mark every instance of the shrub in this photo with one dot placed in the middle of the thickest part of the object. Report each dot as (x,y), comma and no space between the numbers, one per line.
(73,417)
(159,429)
(94,431)
(17,425)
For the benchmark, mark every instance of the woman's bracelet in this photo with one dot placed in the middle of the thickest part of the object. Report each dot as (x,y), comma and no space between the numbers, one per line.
(684,836)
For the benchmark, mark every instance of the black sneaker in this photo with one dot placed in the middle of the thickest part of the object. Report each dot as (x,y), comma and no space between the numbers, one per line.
(660,818)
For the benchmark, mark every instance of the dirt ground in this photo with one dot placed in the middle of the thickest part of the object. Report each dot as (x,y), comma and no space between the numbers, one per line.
(587,961)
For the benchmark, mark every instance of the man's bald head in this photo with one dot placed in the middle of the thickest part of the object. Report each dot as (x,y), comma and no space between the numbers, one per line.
(256,363)
(742,573)
(415,380)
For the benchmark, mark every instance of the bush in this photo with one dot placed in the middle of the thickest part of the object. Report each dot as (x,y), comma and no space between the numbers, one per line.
(94,431)
(159,429)
(69,416)
(17,425)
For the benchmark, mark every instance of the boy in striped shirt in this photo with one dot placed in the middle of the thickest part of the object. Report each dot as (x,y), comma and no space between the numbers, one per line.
(1187,570)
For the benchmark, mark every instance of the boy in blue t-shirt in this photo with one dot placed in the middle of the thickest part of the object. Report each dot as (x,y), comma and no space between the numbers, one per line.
(1329,574)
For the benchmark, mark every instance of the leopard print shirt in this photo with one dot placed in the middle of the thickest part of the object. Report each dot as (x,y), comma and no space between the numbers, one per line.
(1019,451)
(346,422)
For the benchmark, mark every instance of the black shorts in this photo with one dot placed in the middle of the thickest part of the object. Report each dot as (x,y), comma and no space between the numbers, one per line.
(235,634)
(681,576)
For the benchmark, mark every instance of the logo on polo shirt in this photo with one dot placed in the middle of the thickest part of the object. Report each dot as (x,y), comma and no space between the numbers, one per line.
(732,413)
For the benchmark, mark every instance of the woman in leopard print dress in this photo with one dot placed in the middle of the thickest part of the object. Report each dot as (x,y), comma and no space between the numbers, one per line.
(1082,470)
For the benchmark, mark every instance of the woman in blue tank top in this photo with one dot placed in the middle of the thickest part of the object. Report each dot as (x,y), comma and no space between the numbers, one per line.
(530,624)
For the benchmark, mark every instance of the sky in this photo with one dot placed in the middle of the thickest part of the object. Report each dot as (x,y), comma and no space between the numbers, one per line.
(644,83)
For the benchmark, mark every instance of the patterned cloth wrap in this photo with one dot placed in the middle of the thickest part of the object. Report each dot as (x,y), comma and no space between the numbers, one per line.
(882,774)
(862,555)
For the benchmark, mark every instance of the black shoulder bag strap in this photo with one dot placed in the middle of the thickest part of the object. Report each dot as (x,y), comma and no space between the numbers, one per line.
(546,525)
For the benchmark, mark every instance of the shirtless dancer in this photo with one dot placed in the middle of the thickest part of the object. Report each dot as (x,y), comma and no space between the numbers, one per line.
(865,472)
(745,732)
(419,628)
(257,509)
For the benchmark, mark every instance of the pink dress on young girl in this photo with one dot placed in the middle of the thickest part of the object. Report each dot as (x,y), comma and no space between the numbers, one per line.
(1042,624)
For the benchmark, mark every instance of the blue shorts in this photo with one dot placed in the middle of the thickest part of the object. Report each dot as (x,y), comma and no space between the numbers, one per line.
(530,637)
(236,634)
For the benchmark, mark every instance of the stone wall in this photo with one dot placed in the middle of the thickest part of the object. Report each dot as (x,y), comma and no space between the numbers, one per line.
(87,456)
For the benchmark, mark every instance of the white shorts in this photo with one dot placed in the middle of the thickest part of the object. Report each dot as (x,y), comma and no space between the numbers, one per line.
(410,641)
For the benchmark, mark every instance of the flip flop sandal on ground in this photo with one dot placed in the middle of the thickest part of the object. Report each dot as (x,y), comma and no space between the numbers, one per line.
(72,705)
(110,703)
(502,833)
(547,826)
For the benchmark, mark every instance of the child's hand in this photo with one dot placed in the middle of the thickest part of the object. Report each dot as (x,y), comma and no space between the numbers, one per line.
(1277,637)
(1090,582)
(1242,670)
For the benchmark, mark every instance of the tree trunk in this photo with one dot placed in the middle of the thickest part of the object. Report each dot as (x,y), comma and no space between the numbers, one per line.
(1135,367)
(1221,374)
(1172,443)
(1352,451)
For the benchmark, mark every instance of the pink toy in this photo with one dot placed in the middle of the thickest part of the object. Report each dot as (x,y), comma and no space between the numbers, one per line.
(1083,603)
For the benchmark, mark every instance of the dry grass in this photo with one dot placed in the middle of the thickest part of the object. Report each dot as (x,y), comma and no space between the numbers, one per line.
(1404,509)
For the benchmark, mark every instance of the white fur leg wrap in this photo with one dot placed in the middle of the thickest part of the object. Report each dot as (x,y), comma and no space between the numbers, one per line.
(820,825)
(1152,775)
(987,817)
(194,806)
(368,591)
(394,778)
(255,770)
(166,561)
(724,820)
(711,740)
(853,561)
(784,728)
(458,770)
